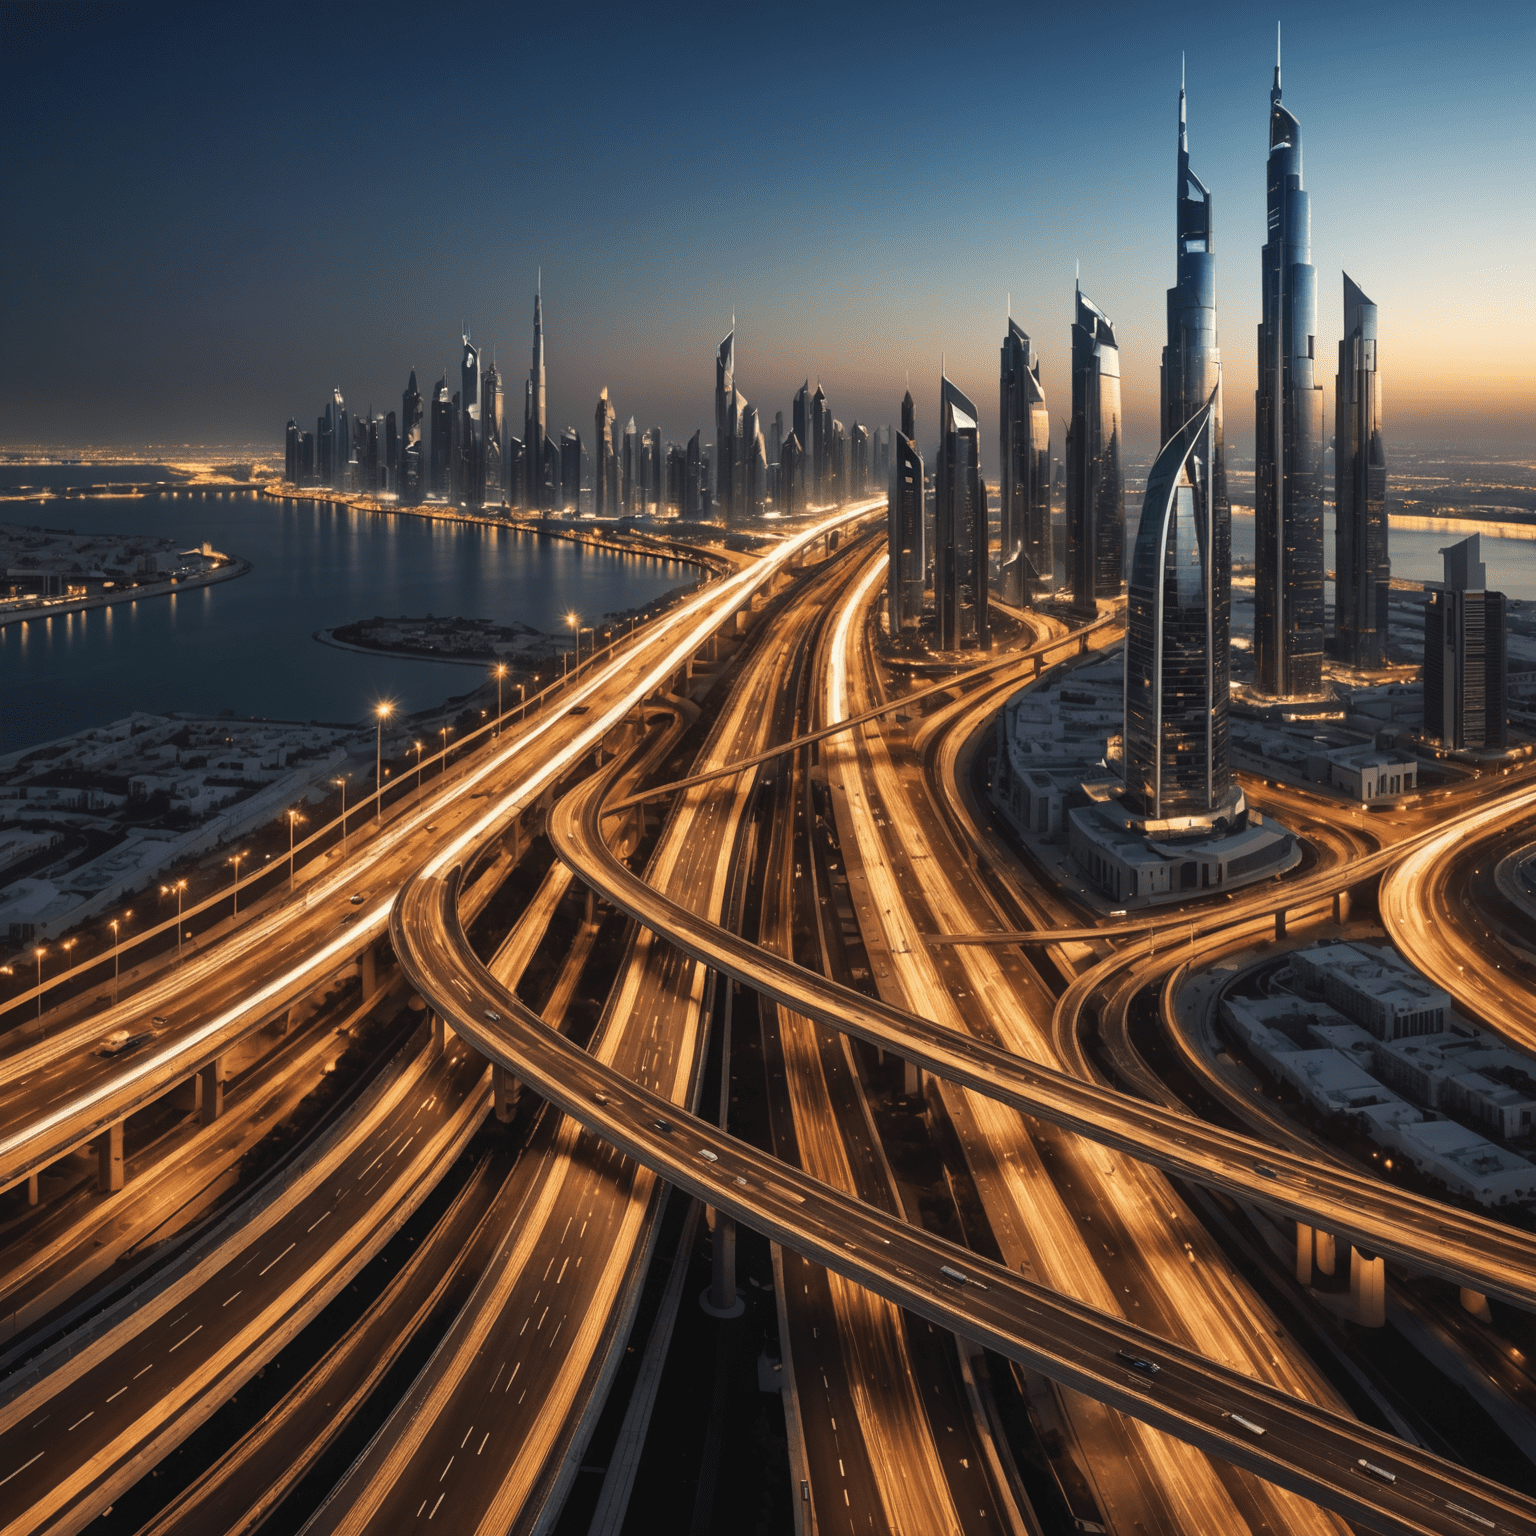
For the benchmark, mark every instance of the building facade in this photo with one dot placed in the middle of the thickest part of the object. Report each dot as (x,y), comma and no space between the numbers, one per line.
(1027,555)
(908,559)
(1465,655)
(1363,570)
(1288,448)
(1095,474)
(960,584)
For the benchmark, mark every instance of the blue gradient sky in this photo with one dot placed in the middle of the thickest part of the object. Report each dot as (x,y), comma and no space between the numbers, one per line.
(215,213)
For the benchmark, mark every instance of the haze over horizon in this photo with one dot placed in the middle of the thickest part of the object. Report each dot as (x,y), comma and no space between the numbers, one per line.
(234,214)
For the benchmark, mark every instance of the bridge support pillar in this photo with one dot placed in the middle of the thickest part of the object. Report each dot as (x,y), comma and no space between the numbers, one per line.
(911,1079)
(590,910)
(1341,906)
(370,970)
(1368,1288)
(504,1091)
(439,1034)
(212,1092)
(1476,1303)
(109,1158)
(32,1196)
(1326,1251)
(721,1300)
(1280,924)
(1303,1253)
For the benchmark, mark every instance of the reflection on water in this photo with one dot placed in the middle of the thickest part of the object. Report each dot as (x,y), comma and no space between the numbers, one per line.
(246,645)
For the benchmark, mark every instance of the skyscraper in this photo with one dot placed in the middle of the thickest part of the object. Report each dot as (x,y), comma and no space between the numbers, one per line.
(291,452)
(493,410)
(341,440)
(658,468)
(570,469)
(820,445)
(1363,574)
(693,477)
(1288,456)
(391,452)
(858,461)
(471,473)
(1027,556)
(535,411)
(631,468)
(604,490)
(1178,621)
(908,561)
(442,439)
(1465,655)
(1095,475)
(791,475)
(909,416)
(959,526)
(800,426)
(725,421)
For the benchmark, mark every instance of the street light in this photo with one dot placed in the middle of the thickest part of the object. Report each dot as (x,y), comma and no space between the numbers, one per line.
(177,889)
(117,947)
(293,819)
(573,619)
(342,782)
(39,952)
(236,862)
(500,672)
(383,711)
(417,745)
(445,732)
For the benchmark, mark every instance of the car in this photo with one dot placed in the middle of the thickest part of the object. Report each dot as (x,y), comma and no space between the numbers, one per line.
(601,1097)
(493,1016)
(1375,1471)
(160,1021)
(121,1040)
(949,1272)
(664,1126)
(357,898)
(1265,1171)
(1248,1424)
(1136,1363)
(579,709)
(431,826)
(708,1156)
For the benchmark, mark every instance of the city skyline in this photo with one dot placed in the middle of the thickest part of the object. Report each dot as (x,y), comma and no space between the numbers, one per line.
(306,290)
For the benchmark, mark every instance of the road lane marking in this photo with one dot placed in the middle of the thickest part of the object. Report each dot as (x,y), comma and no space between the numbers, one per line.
(117,1394)
(467,1433)
(226,1303)
(513,1377)
(318,1220)
(19,1470)
(179,1342)
(444,1473)
(78,1422)
(482,1443)
(151,1367)
(440,1499)
(283,1255)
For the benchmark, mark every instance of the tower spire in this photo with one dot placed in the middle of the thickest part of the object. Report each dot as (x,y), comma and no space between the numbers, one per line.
(1276,91)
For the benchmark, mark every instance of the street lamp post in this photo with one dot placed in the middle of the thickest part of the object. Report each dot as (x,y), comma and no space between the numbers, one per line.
(39,952)
(417,745)
(501,672)
(117,948)
(177,889)
(342,782)
(293,819)
(445,732)
(383,712)
(573,619)
(245,854)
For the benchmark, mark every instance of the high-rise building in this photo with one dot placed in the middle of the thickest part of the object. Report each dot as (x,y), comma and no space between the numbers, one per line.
(492,431)
(471,472)
(631,467)
(1027,554)
(1363,571)
(693,476)
(742,449)
(412,483)
(291,452)
(306,458)
(443,434)
(372,462)
(959,526)
(535,411)
(604,490)
(725,420)
(1288,444)
(341,441)
(1095,474)
(791,475)
(1465,655)
(658,469)
(325,447)
(820,445)
(391,452)
(908,559)
(858,461)
(570,469)
(800,425)
(1178,621)
(909,416)
(675,484)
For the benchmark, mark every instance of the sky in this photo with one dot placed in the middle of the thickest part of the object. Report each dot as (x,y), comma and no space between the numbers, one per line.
(215,213)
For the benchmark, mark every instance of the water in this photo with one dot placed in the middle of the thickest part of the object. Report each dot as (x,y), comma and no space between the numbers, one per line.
(1415,552)
(246,646)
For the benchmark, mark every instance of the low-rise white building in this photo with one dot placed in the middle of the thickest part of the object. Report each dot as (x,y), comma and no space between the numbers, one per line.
(1374,987)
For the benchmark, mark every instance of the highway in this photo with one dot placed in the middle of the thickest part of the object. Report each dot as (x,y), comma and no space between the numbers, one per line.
(524,1370)
(1306,1448)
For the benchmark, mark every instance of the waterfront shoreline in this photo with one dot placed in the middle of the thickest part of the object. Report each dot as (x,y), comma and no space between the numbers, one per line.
(236,567)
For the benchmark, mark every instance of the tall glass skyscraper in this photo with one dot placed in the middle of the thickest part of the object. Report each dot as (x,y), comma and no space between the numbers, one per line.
(1288,535)
(1191,373)
(1363,575)
(535,412)
(725,424)
(1027,556)
(959,526)
(1177,630)
(1095,475)
(904,532)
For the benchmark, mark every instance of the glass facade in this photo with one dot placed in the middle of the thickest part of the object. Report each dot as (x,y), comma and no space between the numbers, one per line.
(908,558)
(1288,492)
(1363,569)
(1027,556)
(1095,476)
(1177,630)
(960,576)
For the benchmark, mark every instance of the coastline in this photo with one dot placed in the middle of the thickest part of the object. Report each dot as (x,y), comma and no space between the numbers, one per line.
(328,637)
(236,567)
